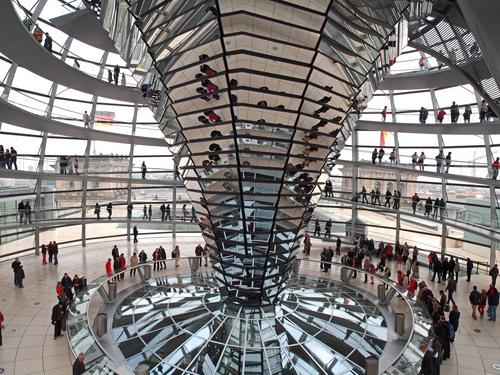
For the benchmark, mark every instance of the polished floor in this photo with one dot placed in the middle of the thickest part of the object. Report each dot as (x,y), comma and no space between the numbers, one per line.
(29,347)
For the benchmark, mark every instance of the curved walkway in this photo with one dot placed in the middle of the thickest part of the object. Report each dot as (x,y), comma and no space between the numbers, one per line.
(20,46)
(408,170)
(474,128)
(84,26)
(29,175)
(423,80)
(115,220)
(478,229)
(17,116)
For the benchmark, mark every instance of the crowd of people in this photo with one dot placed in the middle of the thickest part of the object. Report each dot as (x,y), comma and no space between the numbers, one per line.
(8,158)
(68,165)
(443,163)
(147,212)
(442,308)
(52,250)
(486,113)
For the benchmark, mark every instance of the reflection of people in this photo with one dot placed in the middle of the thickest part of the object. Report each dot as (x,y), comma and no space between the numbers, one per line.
(79,365)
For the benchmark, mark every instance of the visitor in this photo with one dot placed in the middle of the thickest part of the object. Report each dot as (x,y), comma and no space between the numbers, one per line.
(13,158)
(454,113)
(38,34)
(483,109)
(451,287)
(439,161)
(421,63)
(110,76)
(469,268)
(150,212)
(436,268)
(167,213)
(134,262)
(427,365)
(388,196)
(198,251)
(495,167)
(116,74)
(428,207)
(176,253)
(328,228)
(493,304)
(43,250)
(448,162)
(474,299)
(193,215)
(97,211)
(392,156)
(423,114)
(143,257)
(338,246)
(467,114)
(442,208)
(328,189)
(117,265)
(135,232)
(440,115)
(454,319)
(384,113)
(162,211)
(414,202)
(443,330)
(483,299)
(363,195)
(2,326)
(79,365)
(17,268)
(109,209)
(48,42)
(381,154)
(56,318)
(143,170)
(184,212)
(494,274)
(421,161)
(374,155)
(130,207)
(377,197)
(144,212)
(414,160)
(115,253)
(27,213)
(109,268)
(372,196)
(123,80)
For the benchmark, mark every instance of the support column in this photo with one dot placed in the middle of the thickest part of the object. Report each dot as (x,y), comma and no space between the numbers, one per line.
(174,197)
(130,165)
(354,181)
(444,229)
(398,162)
(87,154)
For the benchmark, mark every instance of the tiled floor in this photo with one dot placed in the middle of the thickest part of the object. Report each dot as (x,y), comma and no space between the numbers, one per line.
(29,347)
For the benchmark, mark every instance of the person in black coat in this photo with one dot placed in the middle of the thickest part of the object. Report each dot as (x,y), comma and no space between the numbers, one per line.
(470,266)
(56,318)
(135,232)
(437,268)
(79,365)
(427,366)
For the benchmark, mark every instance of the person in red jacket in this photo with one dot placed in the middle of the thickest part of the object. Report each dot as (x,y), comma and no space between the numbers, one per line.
(124,265)
(60,292)
(495,166)
(440,116)
(2,319)
(109,268)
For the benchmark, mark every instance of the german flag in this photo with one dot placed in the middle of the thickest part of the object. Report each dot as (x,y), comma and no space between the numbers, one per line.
(383,136)
(103,118)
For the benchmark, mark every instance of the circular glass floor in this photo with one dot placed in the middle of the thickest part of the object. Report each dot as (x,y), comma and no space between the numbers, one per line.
(181,325)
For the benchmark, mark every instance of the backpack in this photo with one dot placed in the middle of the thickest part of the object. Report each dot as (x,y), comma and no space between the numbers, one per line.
(450,331)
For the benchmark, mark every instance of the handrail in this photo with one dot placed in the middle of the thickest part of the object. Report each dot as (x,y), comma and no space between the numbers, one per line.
(412,303)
